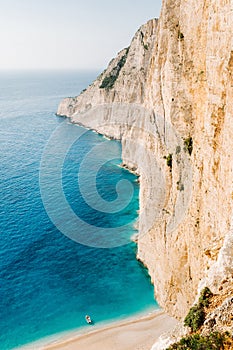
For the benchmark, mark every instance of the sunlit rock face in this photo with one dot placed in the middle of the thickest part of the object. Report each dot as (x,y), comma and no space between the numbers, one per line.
(169,99)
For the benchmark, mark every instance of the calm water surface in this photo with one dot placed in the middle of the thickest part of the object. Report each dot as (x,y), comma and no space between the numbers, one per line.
(47,281)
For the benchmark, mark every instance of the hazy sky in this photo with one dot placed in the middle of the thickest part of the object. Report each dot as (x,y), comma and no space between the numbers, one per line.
(71,34)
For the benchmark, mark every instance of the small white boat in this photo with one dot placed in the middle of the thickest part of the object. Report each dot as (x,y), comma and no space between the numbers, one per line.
(88,319)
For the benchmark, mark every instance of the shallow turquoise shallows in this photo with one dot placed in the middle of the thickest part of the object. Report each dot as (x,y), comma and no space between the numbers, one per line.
(48,282)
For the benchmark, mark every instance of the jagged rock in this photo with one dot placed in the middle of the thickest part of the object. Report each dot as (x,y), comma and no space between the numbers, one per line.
(221,319)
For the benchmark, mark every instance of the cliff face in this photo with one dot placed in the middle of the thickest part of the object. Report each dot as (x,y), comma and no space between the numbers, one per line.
(170,95)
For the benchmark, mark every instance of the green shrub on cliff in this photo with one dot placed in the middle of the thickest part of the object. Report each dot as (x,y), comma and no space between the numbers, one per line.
(180,35)
(169,160)
(109,81)
(205,297)
(188,145)
(213,341)
(196,315)
(195,318)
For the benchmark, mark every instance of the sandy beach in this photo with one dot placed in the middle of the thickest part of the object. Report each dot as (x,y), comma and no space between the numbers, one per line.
(137,334)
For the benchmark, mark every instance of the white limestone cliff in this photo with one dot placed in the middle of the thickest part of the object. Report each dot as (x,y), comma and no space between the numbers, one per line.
(172,94)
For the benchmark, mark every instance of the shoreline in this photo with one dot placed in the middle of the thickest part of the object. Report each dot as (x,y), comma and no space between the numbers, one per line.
(137,332)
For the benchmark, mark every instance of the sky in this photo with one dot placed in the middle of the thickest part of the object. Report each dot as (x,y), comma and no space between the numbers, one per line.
(68,34)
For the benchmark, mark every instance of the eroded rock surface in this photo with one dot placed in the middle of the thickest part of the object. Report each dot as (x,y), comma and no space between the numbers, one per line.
(170,96)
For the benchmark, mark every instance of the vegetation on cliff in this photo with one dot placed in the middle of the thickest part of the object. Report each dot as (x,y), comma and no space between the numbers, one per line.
(196,316)
(215,340)
(169,160)
(109,81)
(202,338)
(188,145)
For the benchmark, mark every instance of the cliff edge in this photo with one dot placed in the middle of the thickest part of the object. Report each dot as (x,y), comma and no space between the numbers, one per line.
(169,99)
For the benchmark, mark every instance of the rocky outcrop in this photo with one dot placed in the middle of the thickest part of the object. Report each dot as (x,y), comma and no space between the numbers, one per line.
(169,99)
(218,315)
(220,318)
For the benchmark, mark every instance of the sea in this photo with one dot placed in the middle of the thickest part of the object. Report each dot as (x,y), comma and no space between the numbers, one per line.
(55,270)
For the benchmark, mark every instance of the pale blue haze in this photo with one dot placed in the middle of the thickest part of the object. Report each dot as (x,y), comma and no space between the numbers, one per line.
(48,282)
(68,34)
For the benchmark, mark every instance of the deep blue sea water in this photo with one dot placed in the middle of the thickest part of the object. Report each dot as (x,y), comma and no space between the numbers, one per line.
(48,282)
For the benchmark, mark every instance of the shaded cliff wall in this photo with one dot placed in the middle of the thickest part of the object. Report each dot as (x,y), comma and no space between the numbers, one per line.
(172,96)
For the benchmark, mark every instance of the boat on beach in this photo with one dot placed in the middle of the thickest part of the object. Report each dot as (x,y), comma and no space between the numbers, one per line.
(88,319)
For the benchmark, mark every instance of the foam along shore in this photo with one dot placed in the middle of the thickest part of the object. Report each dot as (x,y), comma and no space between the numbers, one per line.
(140,333)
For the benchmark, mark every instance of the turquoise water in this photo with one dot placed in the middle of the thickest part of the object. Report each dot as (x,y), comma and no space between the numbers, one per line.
(48,282)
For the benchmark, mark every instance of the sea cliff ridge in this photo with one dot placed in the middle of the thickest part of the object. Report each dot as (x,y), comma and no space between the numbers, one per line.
(169,99)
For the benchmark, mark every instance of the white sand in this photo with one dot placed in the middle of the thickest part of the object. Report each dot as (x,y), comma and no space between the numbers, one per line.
(137,334)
